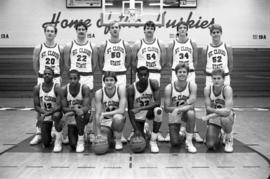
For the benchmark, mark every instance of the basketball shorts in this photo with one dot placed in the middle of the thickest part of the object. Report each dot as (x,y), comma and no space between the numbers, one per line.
(209,81)
(154,76)
(177,118)
(145,114)
(106,122)
(191,76)
(55,80)
(87,80)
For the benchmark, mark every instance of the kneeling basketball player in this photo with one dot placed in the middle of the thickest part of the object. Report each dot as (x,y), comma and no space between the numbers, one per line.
(180,97)
(219,103)
(76,106)
(144,102)
(47,103)
(110,107)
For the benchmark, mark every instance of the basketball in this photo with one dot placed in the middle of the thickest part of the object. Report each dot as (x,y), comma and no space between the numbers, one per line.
(100,145)
(137,144)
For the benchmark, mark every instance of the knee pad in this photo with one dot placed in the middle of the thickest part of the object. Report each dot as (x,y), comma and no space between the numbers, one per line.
(158,112)
(46,128)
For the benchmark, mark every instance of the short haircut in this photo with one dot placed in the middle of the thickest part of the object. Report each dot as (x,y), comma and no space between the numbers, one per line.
(49,68)
(149,24)
(142,68)
(114,22)
(181,65)
(74,72)
(218,72)
(109,74)
(50,25)
(181,23)
(81,24)
(215,26)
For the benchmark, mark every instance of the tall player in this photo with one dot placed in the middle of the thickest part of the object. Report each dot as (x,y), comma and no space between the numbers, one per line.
(82,55)
(75,104)
(220,115)
(47,54)
(184,50)
(115,54)
(110,108)
(217,55)
(47,103)
(179,101)
(151,53)
(144,103)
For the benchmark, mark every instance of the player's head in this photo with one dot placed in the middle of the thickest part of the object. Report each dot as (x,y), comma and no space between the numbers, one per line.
(50,31)
(81,29)
(74,77)
(181,71)
(215,32)
(114,28)
(109,79)
(143,73)
(48,74)
(182,28)
(149,28)
(218,76)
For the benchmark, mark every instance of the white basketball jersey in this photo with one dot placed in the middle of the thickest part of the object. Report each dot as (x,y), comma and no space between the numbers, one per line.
(217,58)
(47,99)
(114,56)
(110,103)
(142,99)
(179,98)
(74,100)
(49,56)
(183,53)
(217,100)
(149,55)
(81,57)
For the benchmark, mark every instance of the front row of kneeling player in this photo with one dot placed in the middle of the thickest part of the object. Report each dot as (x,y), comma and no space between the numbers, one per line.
(143,101)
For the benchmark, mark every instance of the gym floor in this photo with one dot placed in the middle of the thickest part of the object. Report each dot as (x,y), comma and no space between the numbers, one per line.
(251,157)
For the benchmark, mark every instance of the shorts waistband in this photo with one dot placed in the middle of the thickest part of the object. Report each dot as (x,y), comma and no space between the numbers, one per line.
(190,70)
(118,72)
(55,75)
(154,71)
(210,74)
(85,73)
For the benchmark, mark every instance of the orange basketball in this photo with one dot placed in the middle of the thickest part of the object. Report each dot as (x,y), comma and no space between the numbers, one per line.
(137,144)
(100,145)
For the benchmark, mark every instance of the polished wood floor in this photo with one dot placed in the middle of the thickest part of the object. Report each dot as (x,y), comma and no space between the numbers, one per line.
(249,160)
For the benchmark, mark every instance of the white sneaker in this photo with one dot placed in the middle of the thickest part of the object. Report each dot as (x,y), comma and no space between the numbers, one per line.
(160,138)
(36,139)
(190,147)
(130,135)
(58,142)
(167,138)
(229,145)
(123,139)
(153,146)
(182,131)
(80,144)
(118,144)
(197,138)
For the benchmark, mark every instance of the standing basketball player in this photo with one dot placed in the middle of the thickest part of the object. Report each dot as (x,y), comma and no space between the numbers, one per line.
(144,102)
(115,54)
(47,54)
(75,104)
(220,115)
(179,101)
(110,108)
(217,55)
(184,50)
(151,53)
(47,104)
(81,55)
